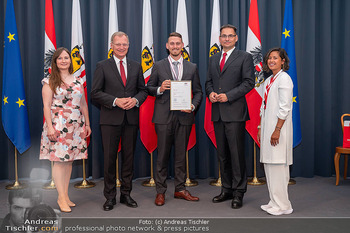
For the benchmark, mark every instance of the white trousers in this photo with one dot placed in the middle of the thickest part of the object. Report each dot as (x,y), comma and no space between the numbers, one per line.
(277,178)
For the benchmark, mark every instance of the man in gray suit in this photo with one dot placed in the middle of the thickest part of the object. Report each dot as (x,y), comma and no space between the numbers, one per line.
(119,88)
(173,127)
(230,76)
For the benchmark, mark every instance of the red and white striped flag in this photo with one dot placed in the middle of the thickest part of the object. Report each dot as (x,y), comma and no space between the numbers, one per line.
(112,28)
(112,23)
(214,48)
(50,38)
(254,97)
(147,131)
(77,46)
(182,28)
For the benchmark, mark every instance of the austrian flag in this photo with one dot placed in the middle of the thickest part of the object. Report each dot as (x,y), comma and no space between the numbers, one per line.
(254,97)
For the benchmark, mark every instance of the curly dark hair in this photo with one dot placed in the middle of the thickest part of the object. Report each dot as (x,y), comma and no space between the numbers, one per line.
(283,55)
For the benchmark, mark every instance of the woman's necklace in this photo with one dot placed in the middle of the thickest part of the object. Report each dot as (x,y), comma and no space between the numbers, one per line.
(64,78)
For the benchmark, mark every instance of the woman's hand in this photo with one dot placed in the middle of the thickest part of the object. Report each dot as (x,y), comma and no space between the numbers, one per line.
(259,136)
(275,137)
(52,134)
(87,130)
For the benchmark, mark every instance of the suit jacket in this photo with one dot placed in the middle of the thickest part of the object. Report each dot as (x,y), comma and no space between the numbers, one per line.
(236,79)
(161,72)
(279,105)
(108,85)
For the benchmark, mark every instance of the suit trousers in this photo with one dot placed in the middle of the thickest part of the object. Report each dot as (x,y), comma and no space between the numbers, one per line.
(230,151)
(277,178)
(111,134)
(172,134)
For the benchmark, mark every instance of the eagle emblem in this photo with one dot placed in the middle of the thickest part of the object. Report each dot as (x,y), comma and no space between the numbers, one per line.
(47,62)
(77,59)
(257,60)
(110,53)
(185,54)
(214,49)
(146,59)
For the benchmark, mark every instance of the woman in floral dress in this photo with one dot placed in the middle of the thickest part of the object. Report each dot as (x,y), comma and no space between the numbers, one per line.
(66,124)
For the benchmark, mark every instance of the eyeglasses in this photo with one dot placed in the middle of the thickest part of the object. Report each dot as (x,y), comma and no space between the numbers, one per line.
(231,36)
(121,45)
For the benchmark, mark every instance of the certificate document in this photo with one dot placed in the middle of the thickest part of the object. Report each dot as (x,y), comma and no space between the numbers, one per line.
(181,95)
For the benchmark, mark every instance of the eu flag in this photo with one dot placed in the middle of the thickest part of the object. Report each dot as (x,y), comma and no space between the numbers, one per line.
(288,44)
(14,106)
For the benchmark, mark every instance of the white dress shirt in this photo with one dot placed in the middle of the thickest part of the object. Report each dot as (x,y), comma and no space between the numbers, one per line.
(228,53)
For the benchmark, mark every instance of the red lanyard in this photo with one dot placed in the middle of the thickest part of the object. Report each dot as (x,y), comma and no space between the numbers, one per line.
(268,86)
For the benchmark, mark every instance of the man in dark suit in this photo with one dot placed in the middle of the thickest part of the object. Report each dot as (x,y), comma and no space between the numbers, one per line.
(230,76)
(119,88)
(173,127)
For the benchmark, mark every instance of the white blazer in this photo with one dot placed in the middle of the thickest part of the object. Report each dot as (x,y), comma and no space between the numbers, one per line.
(279,105)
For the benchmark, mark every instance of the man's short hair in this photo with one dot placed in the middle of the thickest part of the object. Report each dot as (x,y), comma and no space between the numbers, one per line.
(176,34)
(228,26)
(119,34)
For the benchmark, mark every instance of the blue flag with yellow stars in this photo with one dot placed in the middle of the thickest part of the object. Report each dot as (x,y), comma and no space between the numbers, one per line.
(288,44)
(14,105)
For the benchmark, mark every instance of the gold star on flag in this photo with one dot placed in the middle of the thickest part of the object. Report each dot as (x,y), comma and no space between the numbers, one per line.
(5,100)
(294,99)
(11,37)
(286,33)
(20,102)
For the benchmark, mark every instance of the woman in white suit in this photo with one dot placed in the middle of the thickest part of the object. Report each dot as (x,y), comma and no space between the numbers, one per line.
(275,132)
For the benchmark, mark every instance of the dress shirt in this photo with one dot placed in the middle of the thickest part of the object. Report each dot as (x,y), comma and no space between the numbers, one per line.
(228,53)
(180,68)
(117,62)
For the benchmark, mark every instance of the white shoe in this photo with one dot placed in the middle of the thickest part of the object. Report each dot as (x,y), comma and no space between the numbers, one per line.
(265,207)
(276,212)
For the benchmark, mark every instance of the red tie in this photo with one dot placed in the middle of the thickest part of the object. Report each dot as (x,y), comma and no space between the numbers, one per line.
(222,63)
(122,72)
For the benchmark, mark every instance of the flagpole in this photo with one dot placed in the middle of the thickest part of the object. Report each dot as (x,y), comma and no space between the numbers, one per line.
(51,184)
(255,180)
(189,182)
(84,184)
(217,182)
(288,43)
(213,49)
(16,185)
(118,183)
(150,182)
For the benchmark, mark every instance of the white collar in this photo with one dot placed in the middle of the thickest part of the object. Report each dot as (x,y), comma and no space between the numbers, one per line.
(228,53)
(173,60)
(117,60)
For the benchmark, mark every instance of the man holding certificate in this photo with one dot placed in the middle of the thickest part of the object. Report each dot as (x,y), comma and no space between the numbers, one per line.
(176,85)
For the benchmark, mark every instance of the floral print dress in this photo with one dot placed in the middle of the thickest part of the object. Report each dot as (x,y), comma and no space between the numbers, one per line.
(68,121)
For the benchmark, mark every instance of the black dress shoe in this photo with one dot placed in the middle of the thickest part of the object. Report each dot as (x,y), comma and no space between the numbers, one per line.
(127,200)
(108,205)
(222,197)
(237,202)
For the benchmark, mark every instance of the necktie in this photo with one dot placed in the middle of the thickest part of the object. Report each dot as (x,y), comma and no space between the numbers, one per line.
(122,72)
(222,63)
(176,69)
